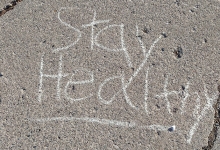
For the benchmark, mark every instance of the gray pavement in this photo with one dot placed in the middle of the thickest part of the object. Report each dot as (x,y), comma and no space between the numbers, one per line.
(109,74)
(217,142)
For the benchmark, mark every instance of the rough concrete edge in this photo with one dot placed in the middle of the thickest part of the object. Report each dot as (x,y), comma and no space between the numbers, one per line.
(213,135)
(9,7)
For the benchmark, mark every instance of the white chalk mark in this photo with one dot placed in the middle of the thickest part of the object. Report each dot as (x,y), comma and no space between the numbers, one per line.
(144,61)
(123,48)
(146,91)
(102,46)
(68,25)
(165,95)
(203,113)
(87,119)
(126,85)
(159,127)
(79,82)
(59,76)
(186,95)
(197,107)
(125,93)
(100,90)
(40,91)
(126,124)
(140,41)
(127,99)
(92,24)
(84,81)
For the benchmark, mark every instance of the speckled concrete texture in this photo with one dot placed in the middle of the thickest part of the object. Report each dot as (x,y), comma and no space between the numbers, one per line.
(109,74)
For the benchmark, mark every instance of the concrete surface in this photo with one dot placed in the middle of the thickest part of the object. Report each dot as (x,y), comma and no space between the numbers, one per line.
(217,142)
(5,7)
(109,74)
(2,4)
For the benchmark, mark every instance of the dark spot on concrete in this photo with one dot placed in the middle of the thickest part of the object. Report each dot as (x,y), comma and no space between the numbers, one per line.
(1,75)
(177,2)
(53,46)
(132,69)
(171,129)
(162,49)
(8,7)
(96,108)
(205,40)
(59,137)
(153,64)
(158,132)
(194,29)
(133,12)
(139,36)
(191,10)
(178,52)
(183,87)
(219,88)
(34,146)
(175,110)
(44,41)
(197,6)
(164,35)
(38,130)
(72,113)
(104,56)
(73,87)
(158,106)
(146,30)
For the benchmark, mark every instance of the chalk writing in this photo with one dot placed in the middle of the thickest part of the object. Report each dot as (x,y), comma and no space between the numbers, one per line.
(130,124)
(125,82)
(58,76)
(100,90)
(68,25)
(146,91)
(208,106)
(166,93)
(79,82)
(92,24)
(122,42)
(186,95)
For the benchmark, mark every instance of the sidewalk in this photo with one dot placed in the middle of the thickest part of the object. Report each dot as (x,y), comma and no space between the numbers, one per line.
(109,74)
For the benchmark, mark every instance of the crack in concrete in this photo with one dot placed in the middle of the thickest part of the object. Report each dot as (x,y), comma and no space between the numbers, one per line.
(9,7)
(213,135)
